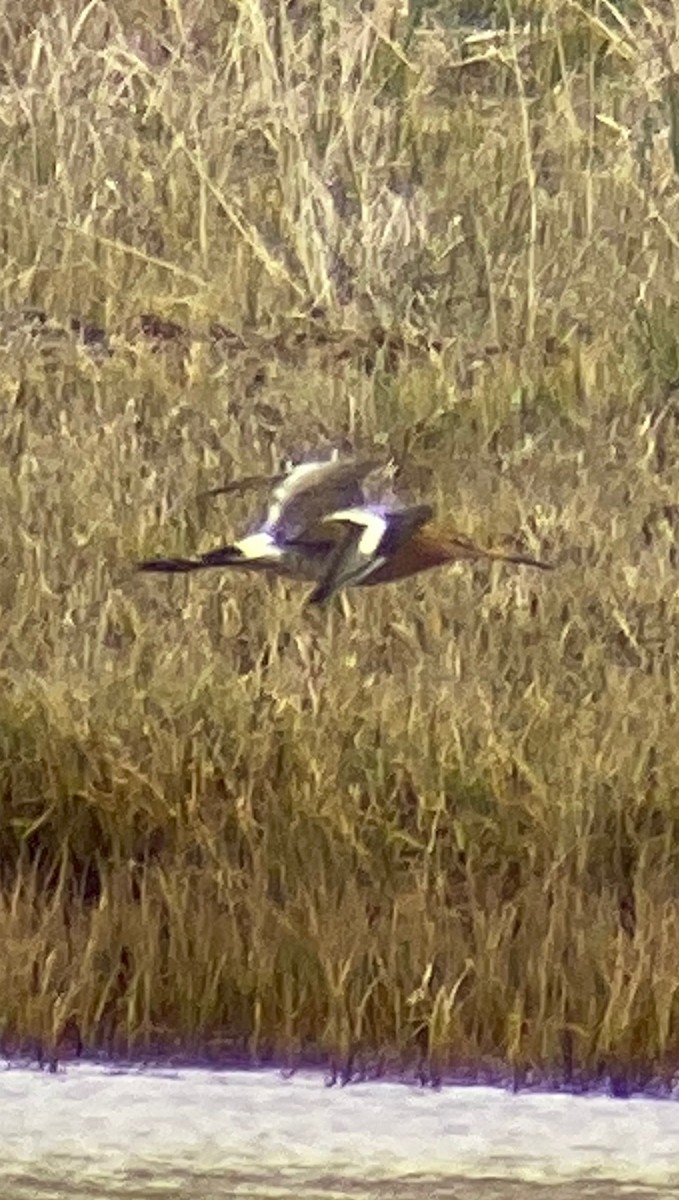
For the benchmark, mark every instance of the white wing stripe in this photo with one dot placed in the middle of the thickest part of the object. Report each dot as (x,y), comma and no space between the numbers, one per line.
(259,545)
(374,527)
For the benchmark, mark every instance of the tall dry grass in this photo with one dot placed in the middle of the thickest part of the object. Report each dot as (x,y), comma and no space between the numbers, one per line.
(442,827)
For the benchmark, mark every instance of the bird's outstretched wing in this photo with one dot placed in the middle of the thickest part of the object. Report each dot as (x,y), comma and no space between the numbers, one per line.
(246,484)
(300,504)
(302,496)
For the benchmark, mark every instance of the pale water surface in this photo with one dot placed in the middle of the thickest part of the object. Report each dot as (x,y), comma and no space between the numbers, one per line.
(93,1131)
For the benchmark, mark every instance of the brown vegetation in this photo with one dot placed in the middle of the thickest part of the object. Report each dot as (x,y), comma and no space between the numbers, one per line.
(442,826)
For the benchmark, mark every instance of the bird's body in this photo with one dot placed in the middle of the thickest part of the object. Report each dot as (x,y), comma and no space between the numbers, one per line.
(385,545)
(319,527)
(374,536)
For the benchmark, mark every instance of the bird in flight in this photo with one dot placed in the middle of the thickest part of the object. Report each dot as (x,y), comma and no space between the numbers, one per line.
(384,544)
(321,527)
(294,538)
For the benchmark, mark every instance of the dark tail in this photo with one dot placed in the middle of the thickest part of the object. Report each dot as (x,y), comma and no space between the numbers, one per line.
(169,565)
(224,556)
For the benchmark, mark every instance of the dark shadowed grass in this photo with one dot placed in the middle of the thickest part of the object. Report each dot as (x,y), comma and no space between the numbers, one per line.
(436,825)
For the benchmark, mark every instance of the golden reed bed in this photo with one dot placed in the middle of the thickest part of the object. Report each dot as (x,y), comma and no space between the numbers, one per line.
(438,827)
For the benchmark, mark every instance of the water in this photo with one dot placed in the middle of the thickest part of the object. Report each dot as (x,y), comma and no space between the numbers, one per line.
(92,1131)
